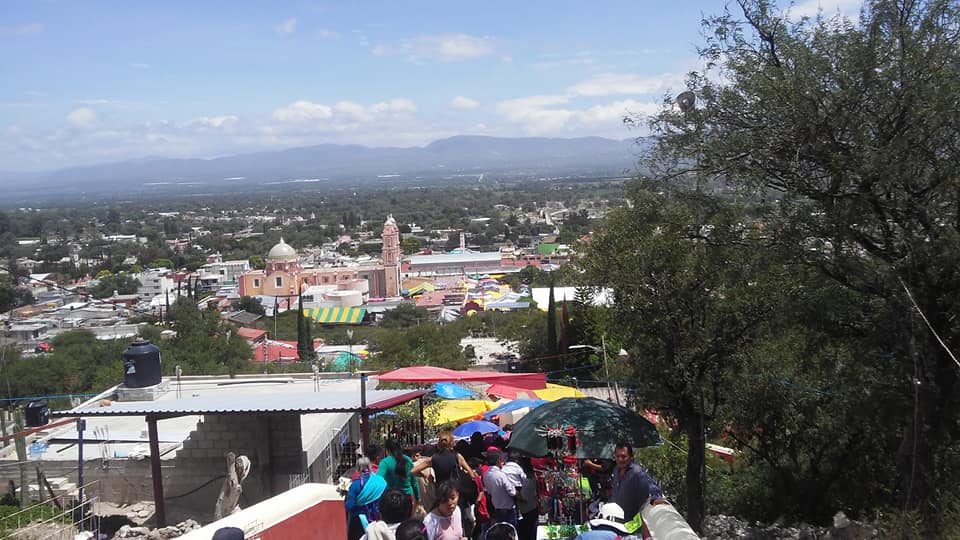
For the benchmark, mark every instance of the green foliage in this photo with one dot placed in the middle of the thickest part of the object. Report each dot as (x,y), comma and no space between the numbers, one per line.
(406,315)
(693,293)
(11,517)
(257,262)
(852,127)
(120,283)
(249,304)
(162,263)
(410,245)
(12,296)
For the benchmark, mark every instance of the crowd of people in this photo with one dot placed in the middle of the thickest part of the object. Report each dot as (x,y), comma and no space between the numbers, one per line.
(478,490)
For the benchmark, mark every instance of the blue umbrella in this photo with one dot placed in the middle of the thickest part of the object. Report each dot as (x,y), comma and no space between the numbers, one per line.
(514,405)
(469,428)
(452,391)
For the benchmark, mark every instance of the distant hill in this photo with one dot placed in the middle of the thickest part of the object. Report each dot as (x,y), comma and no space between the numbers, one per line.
(334,164)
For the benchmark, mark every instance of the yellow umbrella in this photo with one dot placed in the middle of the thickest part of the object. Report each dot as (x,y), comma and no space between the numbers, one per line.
(554,392)
(457,410)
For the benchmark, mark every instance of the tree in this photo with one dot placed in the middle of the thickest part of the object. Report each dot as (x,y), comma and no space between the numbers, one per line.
(257,262)
(551,323)
(410,245)
(405,315)
(853,127)
(249,304)
(121,283)
(688,298)
(304,340)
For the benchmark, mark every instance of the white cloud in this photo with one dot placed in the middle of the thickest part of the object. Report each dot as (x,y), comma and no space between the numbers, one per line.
(223,121)
(83,117)
(810,8)
(22,30)
(608,84)
(554,114)
(535,114)
(394,106)
(615,112)
(288,26)
(302,111)
(140,65)
(342,114)
(461,102)
(439,48)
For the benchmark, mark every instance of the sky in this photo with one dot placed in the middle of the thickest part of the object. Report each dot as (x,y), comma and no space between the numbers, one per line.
(88,82)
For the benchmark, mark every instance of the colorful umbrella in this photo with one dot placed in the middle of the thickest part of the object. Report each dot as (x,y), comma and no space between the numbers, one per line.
(584,427)
(469,428)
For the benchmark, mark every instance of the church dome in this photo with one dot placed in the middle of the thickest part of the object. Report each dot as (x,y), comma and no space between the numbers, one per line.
(281,252)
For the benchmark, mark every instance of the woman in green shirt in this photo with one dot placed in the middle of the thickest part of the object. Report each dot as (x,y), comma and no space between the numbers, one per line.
(395,469)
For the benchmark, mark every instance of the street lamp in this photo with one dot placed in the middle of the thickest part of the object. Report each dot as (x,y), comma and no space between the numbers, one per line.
(603,350)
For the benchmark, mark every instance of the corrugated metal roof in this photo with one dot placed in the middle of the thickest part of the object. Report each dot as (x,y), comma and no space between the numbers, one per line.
(280,402)
(456,258)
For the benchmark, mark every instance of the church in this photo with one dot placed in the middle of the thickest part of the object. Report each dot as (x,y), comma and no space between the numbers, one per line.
(284,277)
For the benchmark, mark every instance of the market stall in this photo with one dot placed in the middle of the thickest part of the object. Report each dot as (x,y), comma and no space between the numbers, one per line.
(564,433)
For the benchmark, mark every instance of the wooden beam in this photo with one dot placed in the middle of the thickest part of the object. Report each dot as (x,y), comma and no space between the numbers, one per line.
(158,503)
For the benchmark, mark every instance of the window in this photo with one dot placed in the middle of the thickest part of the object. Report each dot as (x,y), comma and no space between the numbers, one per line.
(278,282)
(256,283)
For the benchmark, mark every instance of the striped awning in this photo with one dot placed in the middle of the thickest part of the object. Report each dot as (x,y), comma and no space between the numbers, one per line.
(336,315)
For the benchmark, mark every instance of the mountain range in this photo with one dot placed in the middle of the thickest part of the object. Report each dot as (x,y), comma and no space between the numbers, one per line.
(339,165)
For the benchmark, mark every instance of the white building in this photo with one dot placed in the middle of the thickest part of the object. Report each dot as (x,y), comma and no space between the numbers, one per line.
(154,282)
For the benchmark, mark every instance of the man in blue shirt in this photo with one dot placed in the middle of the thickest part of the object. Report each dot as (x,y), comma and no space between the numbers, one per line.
(632,485)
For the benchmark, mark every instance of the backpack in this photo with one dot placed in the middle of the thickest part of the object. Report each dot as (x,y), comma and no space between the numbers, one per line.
(483,506)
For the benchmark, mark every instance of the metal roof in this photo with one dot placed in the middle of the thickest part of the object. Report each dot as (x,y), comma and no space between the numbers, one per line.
(456,258)
(274,403)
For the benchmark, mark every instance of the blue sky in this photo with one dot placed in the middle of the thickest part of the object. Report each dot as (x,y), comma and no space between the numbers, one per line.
(88,81)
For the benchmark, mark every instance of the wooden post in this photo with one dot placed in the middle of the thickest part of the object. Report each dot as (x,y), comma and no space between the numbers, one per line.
(3,427)
(364,417)
(422,432)
(21,444)
(158,504)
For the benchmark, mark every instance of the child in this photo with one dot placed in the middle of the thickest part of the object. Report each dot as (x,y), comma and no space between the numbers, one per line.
(444,522)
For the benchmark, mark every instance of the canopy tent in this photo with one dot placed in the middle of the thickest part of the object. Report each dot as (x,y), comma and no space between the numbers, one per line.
(511,392)
(452,391)
(336,315)
(428,374)
(456,411)
(514,405)
(554,392)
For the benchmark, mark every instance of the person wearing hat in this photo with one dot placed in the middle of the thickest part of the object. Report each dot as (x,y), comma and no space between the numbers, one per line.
(610,525)
(601,496)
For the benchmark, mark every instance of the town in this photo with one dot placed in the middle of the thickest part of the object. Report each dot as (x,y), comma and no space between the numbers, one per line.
(498,272)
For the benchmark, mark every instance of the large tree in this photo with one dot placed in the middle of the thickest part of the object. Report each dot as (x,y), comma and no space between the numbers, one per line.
(854,127)
(690,293)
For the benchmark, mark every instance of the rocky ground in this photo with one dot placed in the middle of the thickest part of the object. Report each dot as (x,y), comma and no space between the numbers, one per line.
(727,527)
(171,531)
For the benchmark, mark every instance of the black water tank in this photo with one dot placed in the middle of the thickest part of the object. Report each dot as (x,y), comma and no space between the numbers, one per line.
(37,414)
(141,364)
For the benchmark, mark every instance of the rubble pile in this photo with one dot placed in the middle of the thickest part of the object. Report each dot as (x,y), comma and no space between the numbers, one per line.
(171,531)
(725,527)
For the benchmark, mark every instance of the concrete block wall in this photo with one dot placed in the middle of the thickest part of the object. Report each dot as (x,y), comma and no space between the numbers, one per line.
(272,442)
